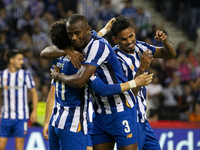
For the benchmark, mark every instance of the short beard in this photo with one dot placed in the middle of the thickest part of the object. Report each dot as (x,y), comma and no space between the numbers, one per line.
(17,68)
(132,51)
(78,50)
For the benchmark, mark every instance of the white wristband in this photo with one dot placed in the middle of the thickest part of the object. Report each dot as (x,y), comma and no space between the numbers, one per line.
(132,84)
(103,31)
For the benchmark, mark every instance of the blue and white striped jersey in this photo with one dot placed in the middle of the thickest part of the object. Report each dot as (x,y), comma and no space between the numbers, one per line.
(130,63)
(99,53)
(15,86)
(71,104)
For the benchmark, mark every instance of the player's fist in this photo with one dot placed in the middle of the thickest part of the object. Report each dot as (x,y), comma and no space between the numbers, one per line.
(160,36)
(55,72)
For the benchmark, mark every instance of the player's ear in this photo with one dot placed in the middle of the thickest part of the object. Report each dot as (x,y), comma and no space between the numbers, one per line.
(133,30)
(114,39)
(88,29)
(11,60)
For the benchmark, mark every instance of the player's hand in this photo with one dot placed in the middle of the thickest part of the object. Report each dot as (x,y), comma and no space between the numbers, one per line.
(143,79)
(146,60)
(33,117)
(55,72)
(161,36)
(76,58)
(108,26)
(45,131)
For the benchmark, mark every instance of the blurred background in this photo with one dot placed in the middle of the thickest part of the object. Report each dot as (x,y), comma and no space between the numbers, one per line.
(173,98)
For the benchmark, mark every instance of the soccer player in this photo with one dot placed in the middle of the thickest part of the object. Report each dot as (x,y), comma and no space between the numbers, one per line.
(70,95)
(135,57)
(112,122)
(14,85)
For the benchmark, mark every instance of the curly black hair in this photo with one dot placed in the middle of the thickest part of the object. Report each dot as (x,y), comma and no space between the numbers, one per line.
(120,24)
(58,34)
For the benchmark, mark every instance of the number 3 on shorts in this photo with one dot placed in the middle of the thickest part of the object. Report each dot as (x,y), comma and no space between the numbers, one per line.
(127,128)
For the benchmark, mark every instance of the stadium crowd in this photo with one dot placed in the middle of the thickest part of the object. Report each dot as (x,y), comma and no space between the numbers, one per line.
(174,93)
(180,12)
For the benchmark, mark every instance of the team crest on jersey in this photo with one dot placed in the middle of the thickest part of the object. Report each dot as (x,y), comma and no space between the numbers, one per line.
(66,59)
(140,54)
(60,65)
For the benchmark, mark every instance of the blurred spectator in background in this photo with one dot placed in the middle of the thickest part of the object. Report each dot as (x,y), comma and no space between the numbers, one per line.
(3,20)
(191,59)
(7,4)
(197,68)
(18,9)
(106,13)
(184,68)
(197,95)
(152,32)
(25,42)
(170,67)
(43,71)
(89,8)
(30,62)
(40,40)
(118,5)
(186,102)
(142,20)
(169,9)
(51,7)
(154,91)
(195,115)
(171,93)
(46,21)
(192,62)
(4,48)
(148,40)
(24,23)
(182,16)
(68,6)
(36,8)
(129,11)
(195,19)
(180,12)
(158,66)
(182,47)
